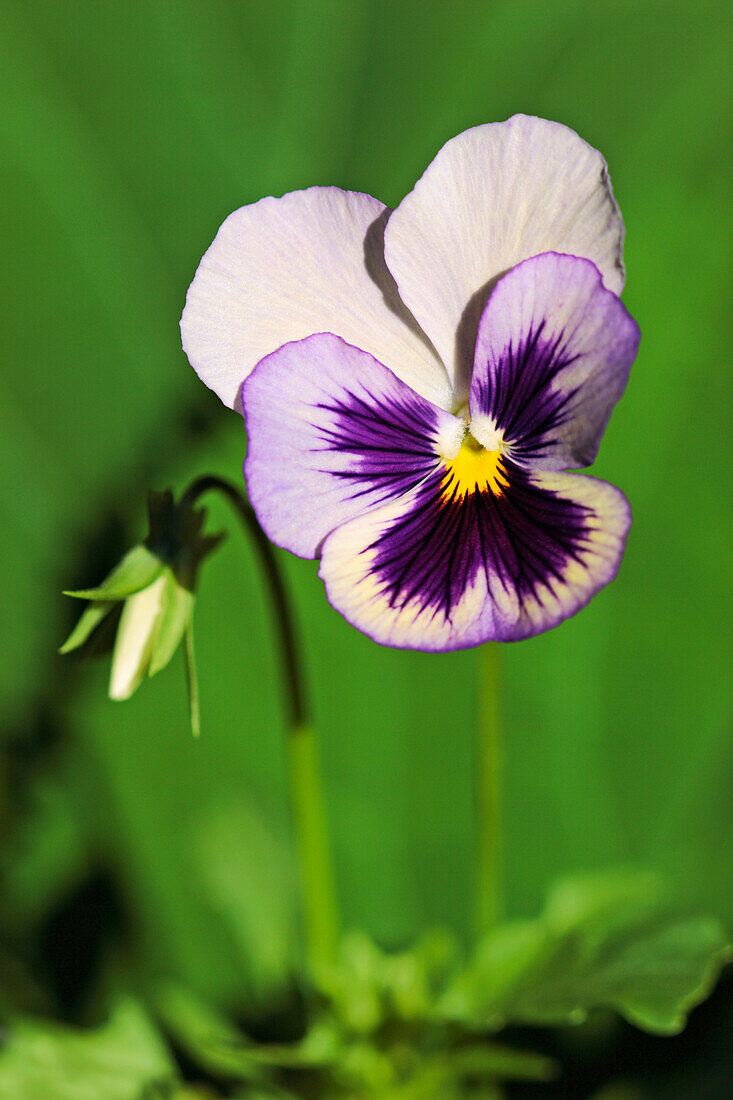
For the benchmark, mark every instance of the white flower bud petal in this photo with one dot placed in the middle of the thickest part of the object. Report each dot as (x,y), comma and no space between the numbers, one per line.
(135,637)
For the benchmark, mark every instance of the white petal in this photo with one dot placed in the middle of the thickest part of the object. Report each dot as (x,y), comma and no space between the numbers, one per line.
(494,196)
(135,636)
(282,269)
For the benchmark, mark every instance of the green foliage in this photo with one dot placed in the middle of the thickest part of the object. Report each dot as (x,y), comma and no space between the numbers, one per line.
(421,1023)
(414,1025)
(372,1035)
(123,1060)
(603,942)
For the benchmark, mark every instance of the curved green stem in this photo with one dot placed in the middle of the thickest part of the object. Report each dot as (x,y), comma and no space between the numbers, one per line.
(488,769)
(317,880)
(290,656)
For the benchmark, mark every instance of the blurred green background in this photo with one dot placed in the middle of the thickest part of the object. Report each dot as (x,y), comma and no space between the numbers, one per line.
(127,133)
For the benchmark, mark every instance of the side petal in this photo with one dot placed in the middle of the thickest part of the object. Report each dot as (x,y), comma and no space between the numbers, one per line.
(332,432)
(426,572)
(553,356)
(281,269)
(494,196)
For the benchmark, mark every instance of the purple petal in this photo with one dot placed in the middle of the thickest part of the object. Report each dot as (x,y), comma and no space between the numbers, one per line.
(553,355)
(332,432)
(434,571)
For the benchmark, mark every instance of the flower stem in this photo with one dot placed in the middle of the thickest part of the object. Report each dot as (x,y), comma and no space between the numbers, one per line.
(308,809)
(319,894)
(488,769)
(292,676)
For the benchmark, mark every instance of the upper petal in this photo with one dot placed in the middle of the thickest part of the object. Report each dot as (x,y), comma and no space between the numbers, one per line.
(332,432)
(553,355)
(494,196)
(282,269)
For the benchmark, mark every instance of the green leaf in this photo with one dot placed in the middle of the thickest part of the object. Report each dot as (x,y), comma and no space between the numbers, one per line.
(494,1060)
(214,1043)
(123,1060)
(604,942)
(655,980)
(207,1036)
(604,900)
(139,568)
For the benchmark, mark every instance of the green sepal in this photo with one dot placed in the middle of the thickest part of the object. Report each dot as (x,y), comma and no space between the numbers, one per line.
(90,619)
(178,603)
(605,942)
(138,569)
(175,536)
(192,680)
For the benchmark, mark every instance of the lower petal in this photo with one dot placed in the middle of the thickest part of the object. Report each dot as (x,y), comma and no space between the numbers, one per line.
(438,573)
(332,432)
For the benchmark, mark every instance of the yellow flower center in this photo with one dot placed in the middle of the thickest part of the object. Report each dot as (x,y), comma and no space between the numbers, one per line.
(473,470)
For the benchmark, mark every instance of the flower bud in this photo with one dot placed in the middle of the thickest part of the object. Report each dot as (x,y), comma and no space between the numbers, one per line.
(155,584)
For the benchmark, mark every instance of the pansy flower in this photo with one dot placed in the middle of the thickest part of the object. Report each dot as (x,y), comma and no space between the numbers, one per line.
(416,383)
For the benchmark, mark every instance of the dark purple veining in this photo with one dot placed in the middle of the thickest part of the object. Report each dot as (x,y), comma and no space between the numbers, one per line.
(523,539)
(391,442)
(517,392)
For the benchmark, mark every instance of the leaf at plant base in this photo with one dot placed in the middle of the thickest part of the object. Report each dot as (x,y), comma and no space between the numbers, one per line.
(209,1039)
(507,958)
(410,980)
(123,1060)
(604,899)
(472,1071)
(655,980)
(215,1044)
(604,942)
(494,1060)
(139,568)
